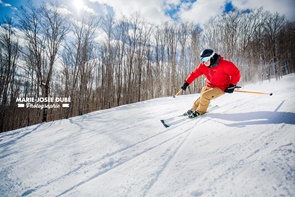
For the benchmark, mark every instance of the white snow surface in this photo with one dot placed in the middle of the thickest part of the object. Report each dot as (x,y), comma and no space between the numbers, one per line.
(246,147)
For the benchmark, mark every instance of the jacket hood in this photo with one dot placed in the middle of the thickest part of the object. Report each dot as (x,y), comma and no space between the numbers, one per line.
(214,60)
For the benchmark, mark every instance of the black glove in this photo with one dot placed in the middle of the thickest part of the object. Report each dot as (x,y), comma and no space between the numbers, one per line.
(184,86)
(230,88)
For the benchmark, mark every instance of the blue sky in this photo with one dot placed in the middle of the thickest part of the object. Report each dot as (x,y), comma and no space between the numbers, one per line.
(158,11)
(7,7)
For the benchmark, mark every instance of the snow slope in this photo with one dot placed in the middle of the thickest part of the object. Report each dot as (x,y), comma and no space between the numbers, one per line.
(244,148)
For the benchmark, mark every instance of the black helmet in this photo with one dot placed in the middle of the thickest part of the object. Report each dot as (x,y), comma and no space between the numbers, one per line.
(206,55)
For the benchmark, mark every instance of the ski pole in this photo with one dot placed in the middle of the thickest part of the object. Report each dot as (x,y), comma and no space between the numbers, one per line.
(253,92)
(177,93)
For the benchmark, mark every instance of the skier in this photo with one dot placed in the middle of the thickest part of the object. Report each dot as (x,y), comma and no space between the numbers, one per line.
(221,76)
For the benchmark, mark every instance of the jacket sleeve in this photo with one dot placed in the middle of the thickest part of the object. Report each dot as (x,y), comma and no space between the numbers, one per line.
(234,73)
(195,74)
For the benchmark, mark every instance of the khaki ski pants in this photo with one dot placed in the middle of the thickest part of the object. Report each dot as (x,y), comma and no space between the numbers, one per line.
(207,94)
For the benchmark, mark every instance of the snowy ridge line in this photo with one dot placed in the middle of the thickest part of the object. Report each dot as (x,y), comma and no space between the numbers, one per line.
(245,148)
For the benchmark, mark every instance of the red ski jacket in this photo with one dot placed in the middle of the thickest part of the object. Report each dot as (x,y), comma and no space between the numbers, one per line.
(220,75)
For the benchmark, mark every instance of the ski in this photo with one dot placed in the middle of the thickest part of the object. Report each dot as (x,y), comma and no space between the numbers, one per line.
(180,118)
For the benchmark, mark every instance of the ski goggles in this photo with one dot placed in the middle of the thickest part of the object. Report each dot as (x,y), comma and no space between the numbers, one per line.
(206,59)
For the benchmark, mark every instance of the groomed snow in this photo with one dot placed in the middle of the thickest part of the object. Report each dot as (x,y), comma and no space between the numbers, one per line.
(244,148)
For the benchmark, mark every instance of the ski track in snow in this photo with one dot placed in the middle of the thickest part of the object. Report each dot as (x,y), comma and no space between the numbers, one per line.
(244,148)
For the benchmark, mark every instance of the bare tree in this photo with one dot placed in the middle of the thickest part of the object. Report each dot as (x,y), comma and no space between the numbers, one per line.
(144,34)
(194,49)
(286,48)
(44,36)
(108,52)
(9,52)
(120,38)
(160,45)
(79,64)
(273,25)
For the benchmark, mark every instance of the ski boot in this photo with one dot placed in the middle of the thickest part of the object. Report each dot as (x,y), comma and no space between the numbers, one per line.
(194,114)
(188,113)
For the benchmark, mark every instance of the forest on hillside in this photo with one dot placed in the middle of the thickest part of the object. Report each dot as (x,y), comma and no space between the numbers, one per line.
(98,62)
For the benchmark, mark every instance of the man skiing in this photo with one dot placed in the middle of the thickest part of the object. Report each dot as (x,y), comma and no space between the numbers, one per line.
(221,76)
